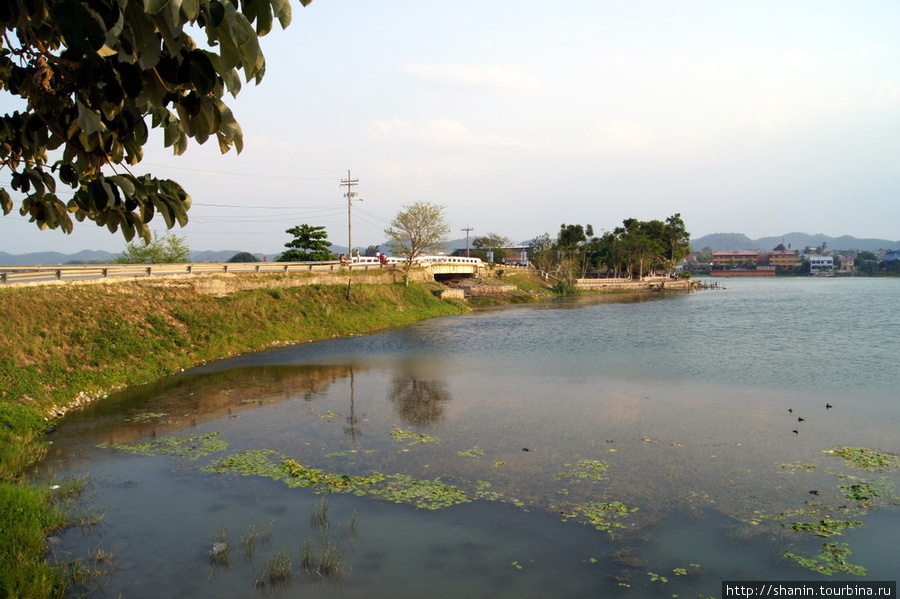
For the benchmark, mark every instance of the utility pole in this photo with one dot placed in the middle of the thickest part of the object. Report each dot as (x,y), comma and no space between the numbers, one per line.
(349,184)
(467,228)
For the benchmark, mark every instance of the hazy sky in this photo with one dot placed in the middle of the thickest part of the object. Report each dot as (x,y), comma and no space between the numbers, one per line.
(759,117)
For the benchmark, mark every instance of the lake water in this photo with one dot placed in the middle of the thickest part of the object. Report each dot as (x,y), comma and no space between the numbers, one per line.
(646,445)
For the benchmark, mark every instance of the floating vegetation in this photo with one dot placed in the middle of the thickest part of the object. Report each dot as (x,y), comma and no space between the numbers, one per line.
(826,527)
(595,469)
(413,438)
(832,559)
(185,447)
(866,491)
(863,458)
(427,494)
(475,452)
(483,491)
(397,488)
(603,516)
(794,466)
(146,416)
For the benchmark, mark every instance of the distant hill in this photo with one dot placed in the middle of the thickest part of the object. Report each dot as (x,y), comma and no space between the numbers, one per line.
(732,242)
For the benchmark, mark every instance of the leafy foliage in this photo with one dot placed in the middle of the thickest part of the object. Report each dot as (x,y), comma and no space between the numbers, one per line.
(309,244)
(91,73)
(416,228)
(243,258)
(166,249)
(494,243)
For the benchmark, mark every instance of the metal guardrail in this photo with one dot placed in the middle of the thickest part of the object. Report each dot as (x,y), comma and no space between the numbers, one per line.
(33,274)
(10,275)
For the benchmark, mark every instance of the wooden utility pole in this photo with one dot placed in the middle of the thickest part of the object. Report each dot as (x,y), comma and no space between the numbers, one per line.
(349,184)
(467,228)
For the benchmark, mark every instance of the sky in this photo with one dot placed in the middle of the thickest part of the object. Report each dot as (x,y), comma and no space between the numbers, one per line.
(761,118)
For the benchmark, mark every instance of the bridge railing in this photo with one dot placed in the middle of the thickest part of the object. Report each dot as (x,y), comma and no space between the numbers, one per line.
(34,274)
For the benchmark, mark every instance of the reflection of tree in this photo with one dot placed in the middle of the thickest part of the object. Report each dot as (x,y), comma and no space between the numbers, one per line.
(418,401)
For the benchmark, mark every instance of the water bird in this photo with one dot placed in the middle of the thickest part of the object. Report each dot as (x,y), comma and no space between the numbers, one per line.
(525,449)
(795,432)
(813,492)
(800,419)
(790,410)
(828,406)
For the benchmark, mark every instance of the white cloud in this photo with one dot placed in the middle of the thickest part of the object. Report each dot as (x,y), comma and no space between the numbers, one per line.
(888,94)
(478,77)
(797,59)
(442,131)
(624,135)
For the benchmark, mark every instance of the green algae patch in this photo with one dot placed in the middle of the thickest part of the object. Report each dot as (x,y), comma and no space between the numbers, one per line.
(185,447)
(147,416)
(595,469)
(603,516)
(413,438)
(826,527)
(396,488)
(833,559)
(867,491)
(427,494)
(475,452)
(863,458)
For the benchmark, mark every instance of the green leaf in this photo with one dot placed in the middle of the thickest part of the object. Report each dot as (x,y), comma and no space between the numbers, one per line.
(89,120)
(78,27)
(154,6)
(6,202)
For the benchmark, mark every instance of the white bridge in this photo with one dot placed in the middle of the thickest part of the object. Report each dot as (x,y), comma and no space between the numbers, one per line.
(440,266)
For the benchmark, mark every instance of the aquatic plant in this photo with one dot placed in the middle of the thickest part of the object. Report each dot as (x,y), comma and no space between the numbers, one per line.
(319,516)
(323,560)
(475,452)
(866,491)
(248,541)
(426,494)
(864,458)
(603,516)
(219,549)
(413,438)
(186,447)
(278,567)
(398,488)
(826,527)
(595,469)
(146,416)
(832,559)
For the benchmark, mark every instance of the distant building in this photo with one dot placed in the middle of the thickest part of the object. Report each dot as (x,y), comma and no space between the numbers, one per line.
(892,255)
(820,264)
(783,258)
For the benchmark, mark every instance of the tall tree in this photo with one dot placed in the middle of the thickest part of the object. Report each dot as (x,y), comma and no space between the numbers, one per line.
(542,253)
(309,244)
(494,244)
(166,249)
(92,74)
(417,228)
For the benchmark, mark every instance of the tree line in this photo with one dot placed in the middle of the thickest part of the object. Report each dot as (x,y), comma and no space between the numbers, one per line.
(635,249)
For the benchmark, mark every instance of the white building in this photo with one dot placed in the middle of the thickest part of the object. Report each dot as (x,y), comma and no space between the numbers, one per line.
(819,264)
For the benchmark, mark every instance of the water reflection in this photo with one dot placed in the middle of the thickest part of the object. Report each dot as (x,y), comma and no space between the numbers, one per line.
(417,395)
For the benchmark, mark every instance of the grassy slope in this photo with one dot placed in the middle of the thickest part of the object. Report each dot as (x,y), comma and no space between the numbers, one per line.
(63,344)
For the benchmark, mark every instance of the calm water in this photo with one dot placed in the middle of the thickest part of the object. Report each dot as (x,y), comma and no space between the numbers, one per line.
(685,407)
